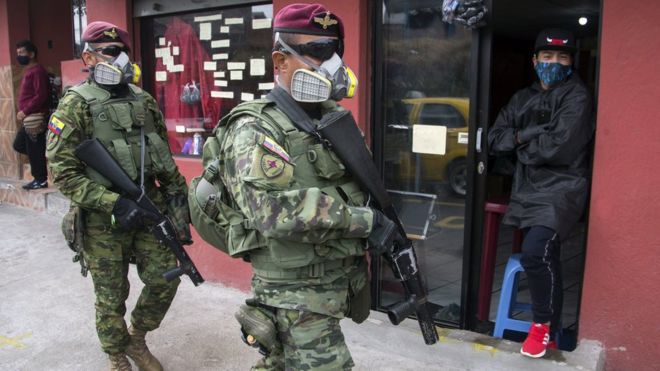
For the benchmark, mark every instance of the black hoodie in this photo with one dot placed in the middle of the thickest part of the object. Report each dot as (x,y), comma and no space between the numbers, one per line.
(550,182)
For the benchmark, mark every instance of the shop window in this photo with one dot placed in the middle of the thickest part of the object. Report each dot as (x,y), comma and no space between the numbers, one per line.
(201,65)
(441,114)
(79,9)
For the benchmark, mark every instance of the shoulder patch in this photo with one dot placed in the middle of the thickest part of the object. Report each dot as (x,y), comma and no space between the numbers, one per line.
(272,166)
(56,125)
(271,145)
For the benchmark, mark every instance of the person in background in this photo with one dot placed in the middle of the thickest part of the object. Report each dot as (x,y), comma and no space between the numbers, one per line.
(549,127)
(33,105)
(127,121)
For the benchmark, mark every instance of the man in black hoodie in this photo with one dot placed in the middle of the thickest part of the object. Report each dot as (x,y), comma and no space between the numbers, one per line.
(548,126)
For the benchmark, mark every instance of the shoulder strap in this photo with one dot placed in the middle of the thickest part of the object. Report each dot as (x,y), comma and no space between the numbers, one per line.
(90,93)
(276,123)
(292,109)
(136,89)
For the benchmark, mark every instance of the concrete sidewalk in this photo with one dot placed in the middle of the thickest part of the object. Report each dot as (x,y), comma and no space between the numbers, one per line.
(47,320)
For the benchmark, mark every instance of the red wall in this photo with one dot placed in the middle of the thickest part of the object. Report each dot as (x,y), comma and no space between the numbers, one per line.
(15,29)
(42,14)
(213,264)
(5,56)
(621,296)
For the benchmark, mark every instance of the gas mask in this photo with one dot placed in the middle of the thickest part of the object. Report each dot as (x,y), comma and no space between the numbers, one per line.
(330,80)
(115,71)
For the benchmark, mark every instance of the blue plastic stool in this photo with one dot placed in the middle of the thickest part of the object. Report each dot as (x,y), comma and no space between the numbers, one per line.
(508,303)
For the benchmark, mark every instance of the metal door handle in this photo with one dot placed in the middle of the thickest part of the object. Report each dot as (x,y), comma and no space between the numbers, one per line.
(478,141)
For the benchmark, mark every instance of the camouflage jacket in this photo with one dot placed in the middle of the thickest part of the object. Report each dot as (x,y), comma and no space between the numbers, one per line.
(262,179)
(69,126)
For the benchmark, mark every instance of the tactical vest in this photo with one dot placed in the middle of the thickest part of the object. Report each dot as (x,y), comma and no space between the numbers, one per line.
(116,122)
(224,226)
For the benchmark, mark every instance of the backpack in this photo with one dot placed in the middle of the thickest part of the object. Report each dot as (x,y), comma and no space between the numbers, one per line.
(209,200)
(212,213)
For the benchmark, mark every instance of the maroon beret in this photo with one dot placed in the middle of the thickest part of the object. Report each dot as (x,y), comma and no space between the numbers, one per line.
(310,19)
(104,32)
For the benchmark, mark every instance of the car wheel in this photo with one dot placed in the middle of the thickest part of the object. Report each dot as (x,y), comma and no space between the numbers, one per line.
(457,175)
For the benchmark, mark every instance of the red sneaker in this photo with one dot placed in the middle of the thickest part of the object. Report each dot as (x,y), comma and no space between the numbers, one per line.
(552,344)
(537,341)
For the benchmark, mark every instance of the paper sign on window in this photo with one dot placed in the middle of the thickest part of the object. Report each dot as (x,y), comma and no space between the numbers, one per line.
(430,139)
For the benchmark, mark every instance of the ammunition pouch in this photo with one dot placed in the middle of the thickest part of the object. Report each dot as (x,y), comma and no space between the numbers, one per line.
(258,327)
(72,228)
(359,300)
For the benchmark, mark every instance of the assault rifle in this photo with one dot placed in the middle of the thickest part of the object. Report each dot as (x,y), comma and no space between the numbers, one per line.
(97,157)
(339,132)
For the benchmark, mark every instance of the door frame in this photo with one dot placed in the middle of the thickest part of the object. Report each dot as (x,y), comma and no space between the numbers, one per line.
(480,101)
(480,71)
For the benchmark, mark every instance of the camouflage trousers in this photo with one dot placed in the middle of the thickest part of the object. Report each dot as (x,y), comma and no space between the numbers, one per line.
(309,341)
(108,252)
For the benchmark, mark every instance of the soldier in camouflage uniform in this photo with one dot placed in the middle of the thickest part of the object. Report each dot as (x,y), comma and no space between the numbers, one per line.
(305,226)
(122,116)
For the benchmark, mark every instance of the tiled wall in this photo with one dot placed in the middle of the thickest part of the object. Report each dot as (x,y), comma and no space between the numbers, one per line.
(9,160)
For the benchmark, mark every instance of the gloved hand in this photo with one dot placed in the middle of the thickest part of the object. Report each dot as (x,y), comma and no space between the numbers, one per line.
(470,12)
(383,233)
(531,132)
(128,215)
(179,213)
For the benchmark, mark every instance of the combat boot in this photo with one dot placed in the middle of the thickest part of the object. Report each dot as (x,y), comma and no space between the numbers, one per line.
(119,362)
(139,353)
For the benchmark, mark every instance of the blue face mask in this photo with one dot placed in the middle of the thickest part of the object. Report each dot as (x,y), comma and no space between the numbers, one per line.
(552,73)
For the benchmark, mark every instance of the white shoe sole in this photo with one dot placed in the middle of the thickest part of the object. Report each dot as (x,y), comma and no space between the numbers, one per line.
(532,355)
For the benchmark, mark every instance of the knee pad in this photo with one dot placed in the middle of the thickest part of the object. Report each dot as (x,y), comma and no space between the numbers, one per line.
(257,328)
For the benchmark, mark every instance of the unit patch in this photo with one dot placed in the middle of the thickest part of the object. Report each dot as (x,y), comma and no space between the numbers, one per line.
(272,166)
(52,141)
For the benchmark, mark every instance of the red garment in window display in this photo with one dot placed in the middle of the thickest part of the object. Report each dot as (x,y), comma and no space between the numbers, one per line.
(203,112)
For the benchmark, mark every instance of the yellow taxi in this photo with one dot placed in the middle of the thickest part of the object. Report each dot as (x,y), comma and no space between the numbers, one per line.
(435,169)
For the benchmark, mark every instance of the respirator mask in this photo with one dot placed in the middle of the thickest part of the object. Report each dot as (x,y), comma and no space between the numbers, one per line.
(330,80)
(115,70)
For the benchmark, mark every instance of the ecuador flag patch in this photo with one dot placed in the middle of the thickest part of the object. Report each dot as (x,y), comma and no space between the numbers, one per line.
(55,125)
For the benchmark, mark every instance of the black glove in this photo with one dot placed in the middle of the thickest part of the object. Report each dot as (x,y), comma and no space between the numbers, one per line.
(531,132)
(128,215)
(178,211)
(383,233)
(470,13)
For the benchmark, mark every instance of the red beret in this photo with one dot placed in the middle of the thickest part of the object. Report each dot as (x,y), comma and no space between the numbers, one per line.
(310,19)
(104,32)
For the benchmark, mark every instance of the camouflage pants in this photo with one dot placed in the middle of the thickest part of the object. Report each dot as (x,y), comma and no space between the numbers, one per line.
(310,341)
(107,252)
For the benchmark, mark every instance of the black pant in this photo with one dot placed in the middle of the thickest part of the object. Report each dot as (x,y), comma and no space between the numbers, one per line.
(35,148)
(541,260)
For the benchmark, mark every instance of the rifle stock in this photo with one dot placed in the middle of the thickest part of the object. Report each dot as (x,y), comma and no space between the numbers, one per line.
(343,136)
(97,157)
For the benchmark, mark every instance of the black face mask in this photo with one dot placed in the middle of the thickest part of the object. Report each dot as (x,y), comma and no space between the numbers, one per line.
(23,60)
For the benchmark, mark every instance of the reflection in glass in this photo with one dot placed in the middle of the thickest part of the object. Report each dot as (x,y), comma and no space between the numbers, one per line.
(206,63)
(426,82)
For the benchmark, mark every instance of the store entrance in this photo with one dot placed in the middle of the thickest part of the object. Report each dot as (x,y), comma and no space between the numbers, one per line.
(513,30)
(438,87)
(422,136)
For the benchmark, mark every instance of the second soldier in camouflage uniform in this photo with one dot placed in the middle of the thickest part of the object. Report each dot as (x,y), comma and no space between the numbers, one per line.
(305,224)
(121,116)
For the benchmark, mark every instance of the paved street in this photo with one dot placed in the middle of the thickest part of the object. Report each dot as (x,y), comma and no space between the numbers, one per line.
(47,320)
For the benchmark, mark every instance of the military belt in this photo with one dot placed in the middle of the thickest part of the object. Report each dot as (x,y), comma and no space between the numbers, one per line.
(311,271)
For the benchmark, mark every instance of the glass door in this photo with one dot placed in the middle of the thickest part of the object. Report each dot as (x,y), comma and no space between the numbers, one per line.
(423,137)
